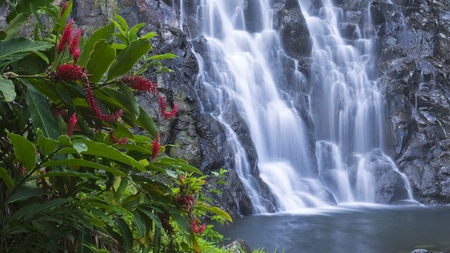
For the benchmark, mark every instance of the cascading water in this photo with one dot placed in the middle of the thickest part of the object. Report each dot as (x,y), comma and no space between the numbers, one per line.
(345,105)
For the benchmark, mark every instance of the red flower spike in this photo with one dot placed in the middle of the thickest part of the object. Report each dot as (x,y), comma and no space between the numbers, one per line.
(197,229)
(69,72)
(163,107)
(117,140)
(76,54)
(66,37)
(186,202)
(140,84)
(156,147)
(74,43)
(63,9)
(93,106)
(71,124)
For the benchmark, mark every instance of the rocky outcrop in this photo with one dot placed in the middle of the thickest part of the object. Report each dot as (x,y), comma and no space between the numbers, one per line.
(413,68)
(294,33)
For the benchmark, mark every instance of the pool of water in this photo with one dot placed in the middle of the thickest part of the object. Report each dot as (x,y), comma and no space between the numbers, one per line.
(346,229)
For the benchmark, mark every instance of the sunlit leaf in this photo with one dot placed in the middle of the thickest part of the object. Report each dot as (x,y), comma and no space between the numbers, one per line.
(24,150)
(6,178)
(7,90)
(99,60)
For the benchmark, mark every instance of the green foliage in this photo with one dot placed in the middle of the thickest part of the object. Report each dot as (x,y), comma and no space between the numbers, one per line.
(73,177)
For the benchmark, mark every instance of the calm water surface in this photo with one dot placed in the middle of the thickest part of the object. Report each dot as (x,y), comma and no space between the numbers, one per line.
(346,229)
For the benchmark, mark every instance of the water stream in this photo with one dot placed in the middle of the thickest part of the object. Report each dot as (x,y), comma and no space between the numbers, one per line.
(344,103)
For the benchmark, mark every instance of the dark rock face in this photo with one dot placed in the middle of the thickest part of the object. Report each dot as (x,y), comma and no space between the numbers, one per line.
(414,67)
(294,33)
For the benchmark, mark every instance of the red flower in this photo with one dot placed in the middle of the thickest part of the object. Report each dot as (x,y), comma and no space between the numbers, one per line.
(63,9)
(186,202)
(156,147)
(69,72)
(71,124)
(90,98)
(74,43)
(140,83)
(66,37)
(23,170)
(163,107)
(117,140)
(197,229)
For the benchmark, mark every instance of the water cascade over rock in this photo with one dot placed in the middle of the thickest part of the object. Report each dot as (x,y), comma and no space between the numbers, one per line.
(298,102)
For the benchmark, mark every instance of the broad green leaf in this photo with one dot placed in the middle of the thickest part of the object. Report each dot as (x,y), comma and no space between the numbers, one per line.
(103,150)
(83,163)
(6,178)
(175,164)
(213,209)
(25,194)
(40,113)
(125,98)
(17,48)
(67,173)
(138,221)
(97,223)
(182,222)
(127,236)
(146,122)
(46,145)
(99,60)
(24,150)
(104,32)
(157,242)
(129,57)
(36,208)
(14,25)
(148,211)
(7,89)
(116,184)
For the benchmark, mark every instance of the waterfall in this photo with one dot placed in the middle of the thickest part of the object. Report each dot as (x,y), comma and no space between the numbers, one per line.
(346,108)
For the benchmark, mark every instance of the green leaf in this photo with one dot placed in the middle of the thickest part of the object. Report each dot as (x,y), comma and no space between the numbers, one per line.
(146,122)
(134,30)
(213,209)
(127,236)
(125,98)
(40,113)
(67,173)
(6,178)
(166,56)
(104,32)
(122,22)
(46,145)
(139,222)
(7,90)
(14,25)
(64,15)
(149,35)
(24,150)
(103,150)
(23,195)
(165,161)
(83,163)
(148,211)
(35,209)
(129,57)
(17,48)
(99,60)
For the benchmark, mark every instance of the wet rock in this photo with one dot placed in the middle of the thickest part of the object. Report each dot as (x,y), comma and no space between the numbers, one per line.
(238,246)
(293,30)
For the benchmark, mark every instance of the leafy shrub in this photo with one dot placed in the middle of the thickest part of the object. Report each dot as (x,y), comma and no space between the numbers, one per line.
(74,177)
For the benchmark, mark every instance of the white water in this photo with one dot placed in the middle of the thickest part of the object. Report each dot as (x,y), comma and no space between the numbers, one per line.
(345,105)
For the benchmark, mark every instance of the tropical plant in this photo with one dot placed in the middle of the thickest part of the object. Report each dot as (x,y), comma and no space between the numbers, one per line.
(74,177)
